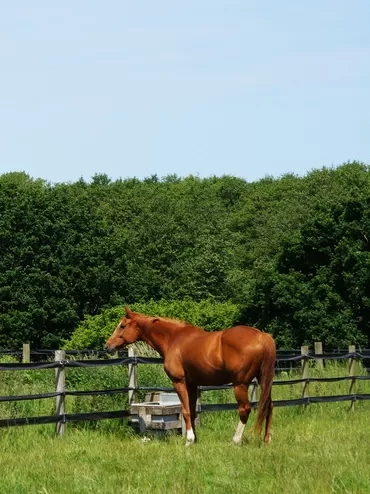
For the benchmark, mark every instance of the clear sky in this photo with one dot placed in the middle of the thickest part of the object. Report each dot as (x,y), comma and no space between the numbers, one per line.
(202,87)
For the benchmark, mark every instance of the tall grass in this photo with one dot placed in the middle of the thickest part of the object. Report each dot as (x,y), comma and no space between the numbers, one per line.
(321,449)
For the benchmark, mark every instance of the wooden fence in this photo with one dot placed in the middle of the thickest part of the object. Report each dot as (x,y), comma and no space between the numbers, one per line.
(294,359)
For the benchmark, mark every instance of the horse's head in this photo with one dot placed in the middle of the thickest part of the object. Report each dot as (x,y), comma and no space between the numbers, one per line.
(125,333)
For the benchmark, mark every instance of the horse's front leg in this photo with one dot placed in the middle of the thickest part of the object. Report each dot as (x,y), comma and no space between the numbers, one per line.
(182,391)
(193,396)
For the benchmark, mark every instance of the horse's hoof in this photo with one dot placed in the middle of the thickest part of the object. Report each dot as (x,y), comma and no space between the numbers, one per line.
(268,439)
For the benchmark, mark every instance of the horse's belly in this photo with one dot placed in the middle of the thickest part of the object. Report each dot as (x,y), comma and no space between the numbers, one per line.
(211,377)
(203,362)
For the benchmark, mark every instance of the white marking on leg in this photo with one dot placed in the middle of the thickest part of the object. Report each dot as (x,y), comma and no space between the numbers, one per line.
(237,439)
(190,437)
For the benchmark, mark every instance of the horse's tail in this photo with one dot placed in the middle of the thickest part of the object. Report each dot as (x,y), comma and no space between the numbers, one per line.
(265,381)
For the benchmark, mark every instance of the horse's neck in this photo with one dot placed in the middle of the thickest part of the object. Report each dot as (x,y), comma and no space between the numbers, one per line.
(158,337)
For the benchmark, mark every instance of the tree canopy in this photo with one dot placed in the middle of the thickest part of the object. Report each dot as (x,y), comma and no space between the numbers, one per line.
(292,253)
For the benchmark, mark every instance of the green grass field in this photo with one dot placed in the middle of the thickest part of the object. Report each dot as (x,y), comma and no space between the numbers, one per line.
(322,448)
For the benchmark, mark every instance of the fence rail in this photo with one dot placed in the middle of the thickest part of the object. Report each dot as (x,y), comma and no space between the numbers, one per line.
(61,363)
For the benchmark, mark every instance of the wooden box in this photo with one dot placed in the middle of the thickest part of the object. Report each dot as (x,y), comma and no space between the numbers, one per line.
(159,412)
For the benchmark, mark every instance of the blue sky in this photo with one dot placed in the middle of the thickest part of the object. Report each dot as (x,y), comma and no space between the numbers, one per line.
(206,87)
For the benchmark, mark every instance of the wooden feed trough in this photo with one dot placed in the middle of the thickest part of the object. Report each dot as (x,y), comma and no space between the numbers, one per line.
(159,412)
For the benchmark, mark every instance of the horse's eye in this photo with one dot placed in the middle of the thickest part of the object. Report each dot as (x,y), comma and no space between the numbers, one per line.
(122,326)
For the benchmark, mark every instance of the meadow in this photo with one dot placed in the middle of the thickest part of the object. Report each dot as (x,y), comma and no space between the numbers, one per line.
(317,449)
(321,449)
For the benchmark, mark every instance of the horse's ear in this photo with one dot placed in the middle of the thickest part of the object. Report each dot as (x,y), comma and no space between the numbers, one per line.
(129,312)
(155,319)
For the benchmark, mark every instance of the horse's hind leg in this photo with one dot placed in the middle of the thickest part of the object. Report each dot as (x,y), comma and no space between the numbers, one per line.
(268,424)
(244,408)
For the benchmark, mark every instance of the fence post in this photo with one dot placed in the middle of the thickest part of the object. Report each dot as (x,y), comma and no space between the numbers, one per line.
(60,387)
(319,351)
(305,365)
(26,358)
(254,396)
(198,406)
(132,376)
(352,373)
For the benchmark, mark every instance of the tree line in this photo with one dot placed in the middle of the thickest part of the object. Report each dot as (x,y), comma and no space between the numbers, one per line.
(291,253)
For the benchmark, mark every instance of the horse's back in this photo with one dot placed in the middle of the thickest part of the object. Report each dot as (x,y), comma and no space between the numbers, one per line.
(218,345)
(243,336)
(244,347)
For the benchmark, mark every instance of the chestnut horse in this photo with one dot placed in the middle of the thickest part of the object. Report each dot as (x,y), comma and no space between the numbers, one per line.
(194,357)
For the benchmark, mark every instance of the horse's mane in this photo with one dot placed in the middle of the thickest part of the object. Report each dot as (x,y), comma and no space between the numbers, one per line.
(175,322)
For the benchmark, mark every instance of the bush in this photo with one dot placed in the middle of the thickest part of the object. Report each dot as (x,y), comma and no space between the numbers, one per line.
(209,315)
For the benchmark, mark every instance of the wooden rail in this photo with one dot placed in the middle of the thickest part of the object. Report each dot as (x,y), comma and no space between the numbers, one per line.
(61,364)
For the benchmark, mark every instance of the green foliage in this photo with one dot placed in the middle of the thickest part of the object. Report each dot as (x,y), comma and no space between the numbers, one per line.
(60,259)
(94,331)
(293,252)
(318,286)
